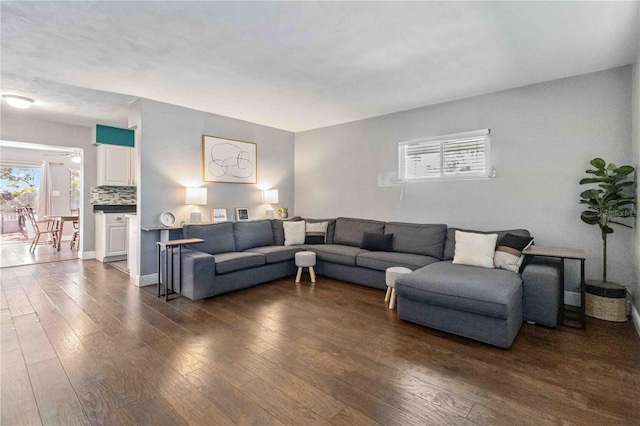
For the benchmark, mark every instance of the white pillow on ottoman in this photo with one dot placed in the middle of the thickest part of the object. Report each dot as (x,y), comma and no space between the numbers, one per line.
(475,249)
(294,233)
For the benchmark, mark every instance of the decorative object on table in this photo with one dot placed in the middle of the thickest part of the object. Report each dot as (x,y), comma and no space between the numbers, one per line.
(284,212)
(608,204)
(167,219)
(218,215)
(242,213)
(229,160)
(196,197)
(270,196)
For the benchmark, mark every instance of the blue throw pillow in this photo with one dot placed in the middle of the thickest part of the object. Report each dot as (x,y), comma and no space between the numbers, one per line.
(377,242)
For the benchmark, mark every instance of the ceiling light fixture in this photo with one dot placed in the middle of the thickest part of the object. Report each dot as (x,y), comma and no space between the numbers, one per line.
(20,102)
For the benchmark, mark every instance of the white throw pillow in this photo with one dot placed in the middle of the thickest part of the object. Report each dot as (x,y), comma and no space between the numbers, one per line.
(294,233)
(475,249)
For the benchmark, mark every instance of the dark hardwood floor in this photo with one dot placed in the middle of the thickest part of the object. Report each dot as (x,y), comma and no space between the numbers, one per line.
(82,345)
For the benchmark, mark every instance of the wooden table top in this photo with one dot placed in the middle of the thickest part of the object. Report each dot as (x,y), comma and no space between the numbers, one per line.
(567,253)
(171,243)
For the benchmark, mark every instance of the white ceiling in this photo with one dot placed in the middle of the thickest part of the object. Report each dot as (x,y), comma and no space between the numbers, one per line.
(297,65)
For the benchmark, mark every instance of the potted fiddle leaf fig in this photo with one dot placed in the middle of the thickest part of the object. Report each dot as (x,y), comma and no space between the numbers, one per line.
(610,203)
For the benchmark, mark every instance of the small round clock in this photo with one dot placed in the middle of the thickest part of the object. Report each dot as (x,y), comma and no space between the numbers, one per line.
(167,219)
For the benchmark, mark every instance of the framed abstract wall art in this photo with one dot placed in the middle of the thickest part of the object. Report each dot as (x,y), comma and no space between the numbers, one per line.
(229,160)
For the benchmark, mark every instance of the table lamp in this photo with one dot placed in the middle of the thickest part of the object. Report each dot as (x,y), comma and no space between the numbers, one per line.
(196,197)
(269,197)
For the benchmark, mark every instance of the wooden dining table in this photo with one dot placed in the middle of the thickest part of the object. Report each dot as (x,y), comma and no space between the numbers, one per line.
(60,221)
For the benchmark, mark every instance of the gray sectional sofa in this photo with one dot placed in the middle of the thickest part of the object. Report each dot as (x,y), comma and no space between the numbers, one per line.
(483,304)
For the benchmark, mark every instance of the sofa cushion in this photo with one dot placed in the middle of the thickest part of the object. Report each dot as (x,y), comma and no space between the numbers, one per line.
(350,231)
(381,260)
(417,238)
(294,233)
(276,254)
(508,253)
(315,232)
(230,262)
(475,249)
(450,242)
(492,292)
(345,255)
(252,234)
(277,226)
(218,237)
(377,242)
(331,228)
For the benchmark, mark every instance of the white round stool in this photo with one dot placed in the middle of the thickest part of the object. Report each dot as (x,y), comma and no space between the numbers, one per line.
(306,259)
(390,277)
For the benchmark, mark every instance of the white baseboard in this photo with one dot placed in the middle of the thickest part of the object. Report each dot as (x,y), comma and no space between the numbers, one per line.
(86,255)
(571,298)
(636,318)
(145,280)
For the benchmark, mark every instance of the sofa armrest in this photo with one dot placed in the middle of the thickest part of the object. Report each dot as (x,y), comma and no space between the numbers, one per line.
(198,274)
(543,295)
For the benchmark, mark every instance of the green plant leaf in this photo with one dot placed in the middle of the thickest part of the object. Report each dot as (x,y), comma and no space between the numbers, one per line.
(606,229)
(611,166)
(598,163)
(590,193)
(592,218)
(625,170)
(593,180)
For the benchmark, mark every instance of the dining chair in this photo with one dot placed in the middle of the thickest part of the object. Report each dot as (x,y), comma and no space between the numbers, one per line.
(75,239)
(36,228)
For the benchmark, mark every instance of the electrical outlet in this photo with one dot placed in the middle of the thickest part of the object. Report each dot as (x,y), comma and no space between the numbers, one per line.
(116,196)
(55,193)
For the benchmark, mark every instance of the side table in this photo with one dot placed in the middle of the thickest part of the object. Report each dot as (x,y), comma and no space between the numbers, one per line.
(169,250)
(562,254)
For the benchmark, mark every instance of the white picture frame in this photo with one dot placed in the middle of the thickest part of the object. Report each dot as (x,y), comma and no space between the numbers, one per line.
(242,213)
(218,215)
(229,160)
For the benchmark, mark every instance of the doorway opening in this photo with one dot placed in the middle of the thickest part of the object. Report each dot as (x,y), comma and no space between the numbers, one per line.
(40,182)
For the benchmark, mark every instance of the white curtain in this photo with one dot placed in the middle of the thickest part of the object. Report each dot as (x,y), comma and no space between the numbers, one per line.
(45,202)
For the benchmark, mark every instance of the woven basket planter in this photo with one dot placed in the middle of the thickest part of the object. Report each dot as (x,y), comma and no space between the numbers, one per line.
(606,301)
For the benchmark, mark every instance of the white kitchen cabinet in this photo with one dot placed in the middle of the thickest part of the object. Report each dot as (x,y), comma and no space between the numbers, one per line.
(116,165)
(112,236)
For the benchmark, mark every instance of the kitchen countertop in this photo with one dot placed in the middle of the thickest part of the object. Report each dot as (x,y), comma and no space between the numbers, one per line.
(112,208)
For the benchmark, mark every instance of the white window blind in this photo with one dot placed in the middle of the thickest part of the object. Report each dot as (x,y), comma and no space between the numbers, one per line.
(449,157)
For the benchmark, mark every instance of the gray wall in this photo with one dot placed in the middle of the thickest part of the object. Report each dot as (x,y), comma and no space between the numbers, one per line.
(169,148)
(636,163)
(16,127)
(542,139)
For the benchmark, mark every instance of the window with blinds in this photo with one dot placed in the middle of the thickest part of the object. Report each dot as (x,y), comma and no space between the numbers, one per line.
(449,157)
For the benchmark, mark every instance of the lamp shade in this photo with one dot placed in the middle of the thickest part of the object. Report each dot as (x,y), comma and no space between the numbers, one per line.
(270,196)
(196,196)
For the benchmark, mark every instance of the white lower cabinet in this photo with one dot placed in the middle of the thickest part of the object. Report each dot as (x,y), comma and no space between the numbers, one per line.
(112,236)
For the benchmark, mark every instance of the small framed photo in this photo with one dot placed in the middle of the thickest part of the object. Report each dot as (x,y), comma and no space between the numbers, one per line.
(242,213)
(218,215)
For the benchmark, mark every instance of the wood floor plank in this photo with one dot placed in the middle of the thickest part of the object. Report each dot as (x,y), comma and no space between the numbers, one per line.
(56,398)
(234,403)
(350,417)
(18,401)
(18,302)
(308,396)
(279,405)
(176,390)
(34,342)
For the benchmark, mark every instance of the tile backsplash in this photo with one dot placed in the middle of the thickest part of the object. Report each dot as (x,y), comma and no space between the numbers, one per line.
(113,195)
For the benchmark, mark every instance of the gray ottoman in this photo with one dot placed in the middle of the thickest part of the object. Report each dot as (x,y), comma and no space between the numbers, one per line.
(479,303)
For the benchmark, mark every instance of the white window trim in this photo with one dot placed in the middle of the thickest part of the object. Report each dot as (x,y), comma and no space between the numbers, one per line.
(442,139)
